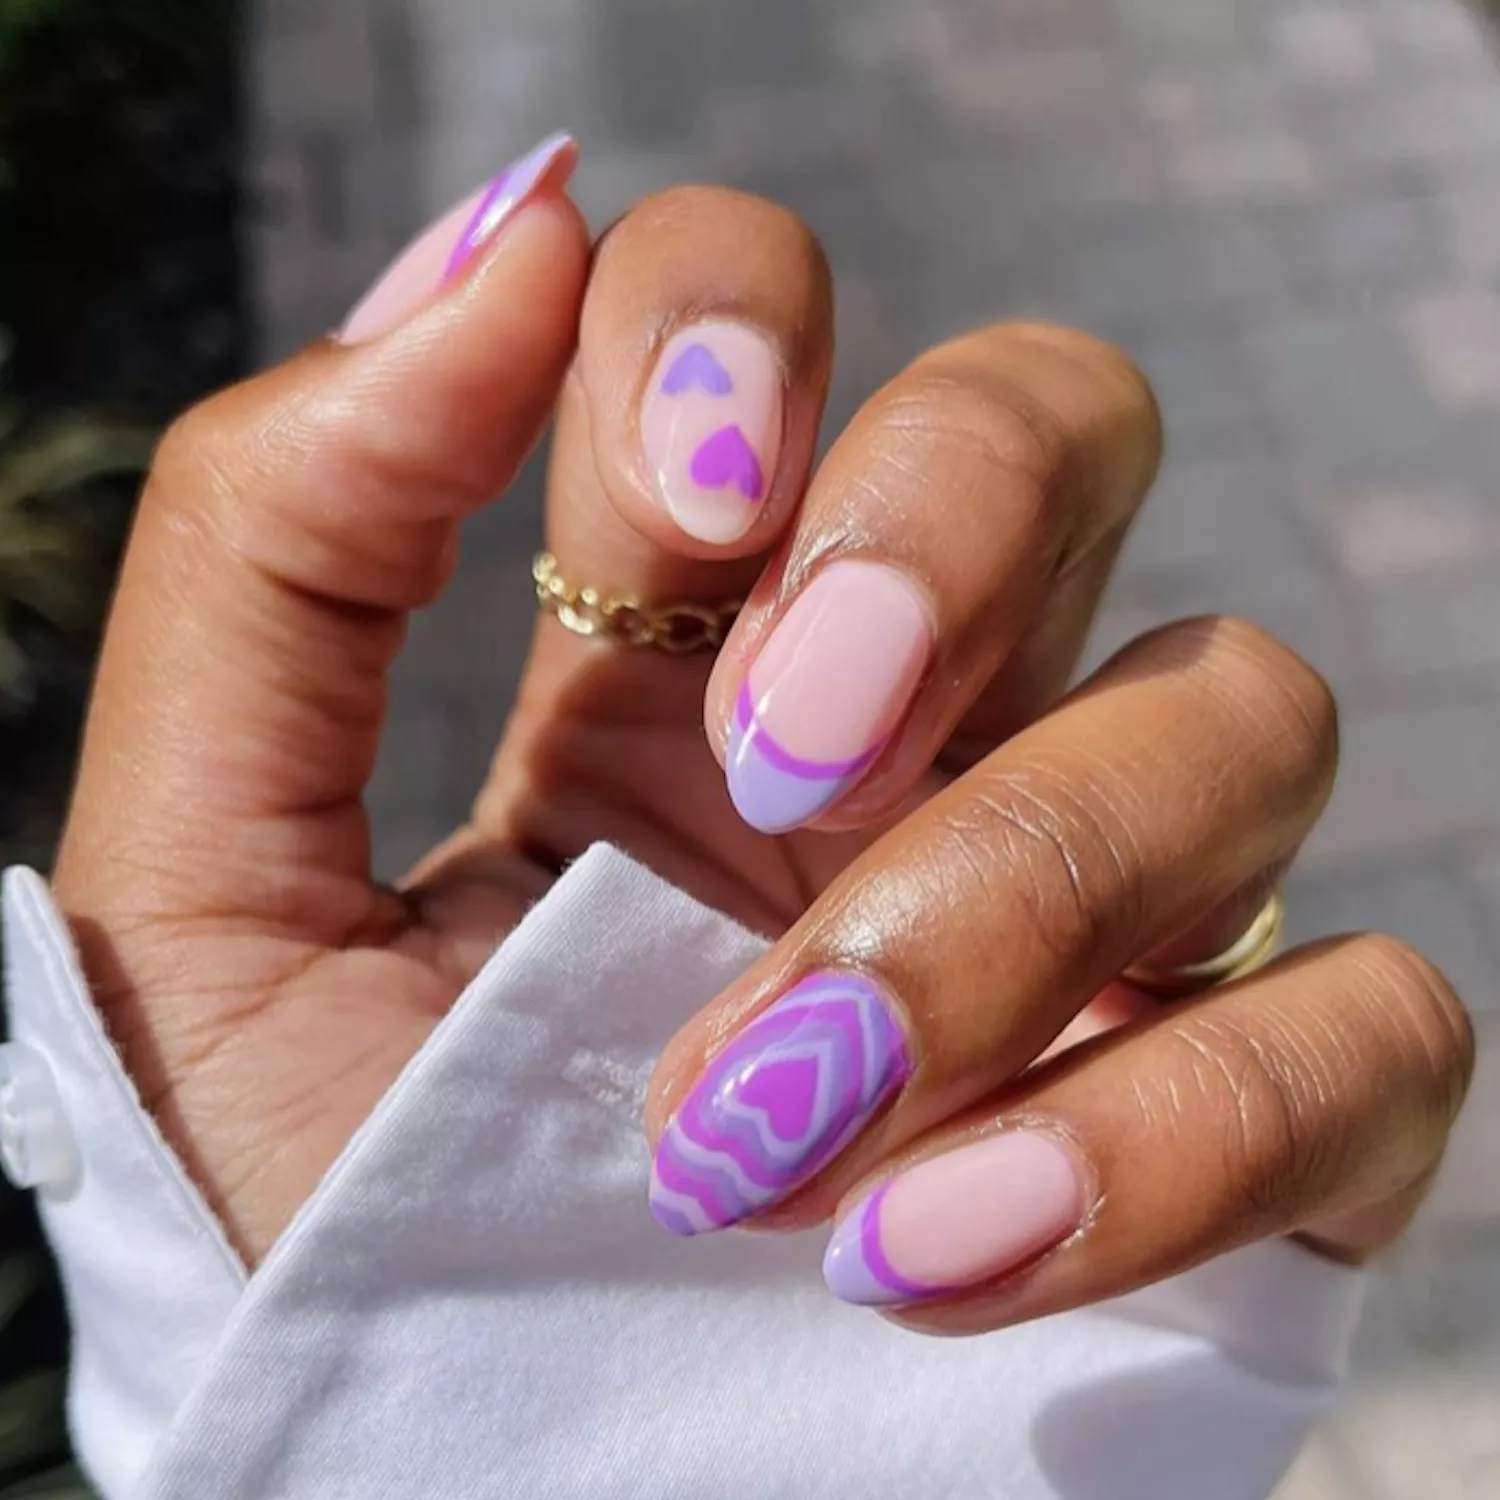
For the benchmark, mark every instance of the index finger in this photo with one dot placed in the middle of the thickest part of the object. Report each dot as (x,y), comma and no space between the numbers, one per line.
(686,434)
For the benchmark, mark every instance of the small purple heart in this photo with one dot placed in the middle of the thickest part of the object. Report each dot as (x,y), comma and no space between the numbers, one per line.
(727,458)
(696,365)
(786,1092)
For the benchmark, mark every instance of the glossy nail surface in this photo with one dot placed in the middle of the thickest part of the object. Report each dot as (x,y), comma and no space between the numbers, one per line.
(441,254)
(955,1221)
(778,1103)
(711,427)
(828,689)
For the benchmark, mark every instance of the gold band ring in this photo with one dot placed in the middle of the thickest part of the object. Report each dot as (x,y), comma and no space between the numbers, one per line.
(1253,950)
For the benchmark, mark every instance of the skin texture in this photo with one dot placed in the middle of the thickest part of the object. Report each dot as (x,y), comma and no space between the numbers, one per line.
(999,865)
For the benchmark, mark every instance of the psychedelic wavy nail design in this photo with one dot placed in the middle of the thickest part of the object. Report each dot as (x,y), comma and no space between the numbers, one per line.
(778,1103)
(969,1216)
(440,255)
(711,427)
(821,701)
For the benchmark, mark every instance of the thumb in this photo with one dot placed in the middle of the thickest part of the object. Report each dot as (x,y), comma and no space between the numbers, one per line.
(287,527)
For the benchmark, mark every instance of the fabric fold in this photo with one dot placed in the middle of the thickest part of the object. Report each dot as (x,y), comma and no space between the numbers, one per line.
(476,1301)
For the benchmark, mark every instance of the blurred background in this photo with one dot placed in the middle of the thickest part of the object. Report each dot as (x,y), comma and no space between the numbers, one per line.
(1287,210)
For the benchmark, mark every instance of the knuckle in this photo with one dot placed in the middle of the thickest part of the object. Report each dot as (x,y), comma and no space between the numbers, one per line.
(717,224)
(1310,1094)
(1264,1092)
(192,487)
(1094,357)
(1042,845)
(190,456)
(1067,414)
(1261,681)
(1410,999)
(945,411)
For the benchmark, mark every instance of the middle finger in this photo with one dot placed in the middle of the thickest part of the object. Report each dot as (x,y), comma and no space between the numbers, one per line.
(949,956)
(974,504)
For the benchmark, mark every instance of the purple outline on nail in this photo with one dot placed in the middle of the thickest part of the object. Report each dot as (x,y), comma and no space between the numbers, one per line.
(775,790)
(856,1267)
(507,191)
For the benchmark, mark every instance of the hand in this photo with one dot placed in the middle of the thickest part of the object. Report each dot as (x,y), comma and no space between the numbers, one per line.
(985,859)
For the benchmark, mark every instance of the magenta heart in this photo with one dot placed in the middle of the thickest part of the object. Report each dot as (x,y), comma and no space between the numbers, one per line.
(787,1092)
(696,365)
(727,458)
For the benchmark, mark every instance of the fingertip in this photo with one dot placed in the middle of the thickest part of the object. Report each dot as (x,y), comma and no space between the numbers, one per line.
(705,348)
(455,243)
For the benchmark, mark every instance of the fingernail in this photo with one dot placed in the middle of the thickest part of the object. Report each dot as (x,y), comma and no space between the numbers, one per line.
(441,253)
(778,1103)
(956,1220)
(711,427)
(826,692)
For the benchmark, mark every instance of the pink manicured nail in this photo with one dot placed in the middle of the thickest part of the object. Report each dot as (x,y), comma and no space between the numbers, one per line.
(441,253)
(827,691)
(711,427)
(955,1221)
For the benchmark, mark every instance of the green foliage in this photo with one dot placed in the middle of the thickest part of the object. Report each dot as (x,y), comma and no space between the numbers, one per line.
(17,19)
(33,1437)
(47,563)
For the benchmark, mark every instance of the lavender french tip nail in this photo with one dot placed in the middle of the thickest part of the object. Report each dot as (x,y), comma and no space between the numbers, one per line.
(779,1103)
(775,791)
(965,1217)
(855,1267)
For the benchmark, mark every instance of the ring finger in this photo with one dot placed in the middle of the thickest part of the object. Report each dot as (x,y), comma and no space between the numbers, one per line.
(947,958)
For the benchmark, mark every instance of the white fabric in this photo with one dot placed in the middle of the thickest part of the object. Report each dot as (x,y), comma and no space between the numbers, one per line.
(476,1303)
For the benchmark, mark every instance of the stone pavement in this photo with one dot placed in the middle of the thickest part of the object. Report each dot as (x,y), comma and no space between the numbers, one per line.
(1288,210)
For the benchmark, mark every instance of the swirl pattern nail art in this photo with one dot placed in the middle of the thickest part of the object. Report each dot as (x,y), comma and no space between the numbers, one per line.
(779,1103)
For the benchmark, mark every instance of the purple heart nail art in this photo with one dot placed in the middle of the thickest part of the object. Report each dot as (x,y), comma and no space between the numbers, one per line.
(779,1103)
(726,458)
(696,366)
